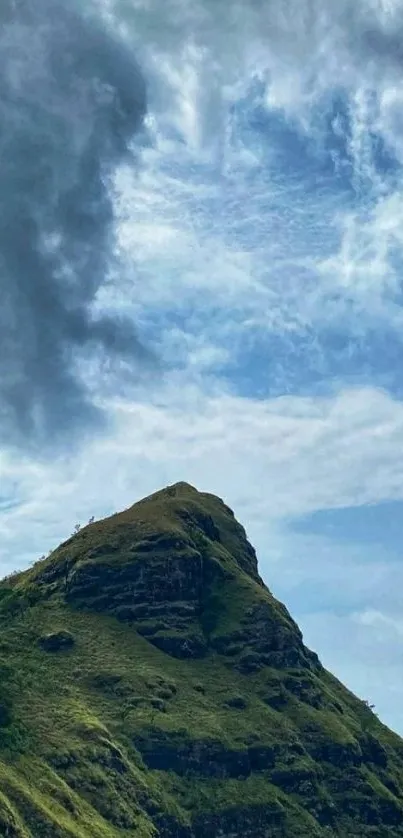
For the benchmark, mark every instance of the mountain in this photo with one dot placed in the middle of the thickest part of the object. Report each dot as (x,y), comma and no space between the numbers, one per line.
(151,685)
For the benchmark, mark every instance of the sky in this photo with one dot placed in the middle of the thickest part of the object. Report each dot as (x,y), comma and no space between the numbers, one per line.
(201,255)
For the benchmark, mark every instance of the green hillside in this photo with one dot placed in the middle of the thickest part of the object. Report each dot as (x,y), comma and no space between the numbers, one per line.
(151,685)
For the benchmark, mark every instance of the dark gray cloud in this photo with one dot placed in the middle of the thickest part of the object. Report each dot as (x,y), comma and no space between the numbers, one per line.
(71,100)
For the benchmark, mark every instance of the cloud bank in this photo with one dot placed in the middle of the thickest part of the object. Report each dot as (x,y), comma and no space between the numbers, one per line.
(71,99)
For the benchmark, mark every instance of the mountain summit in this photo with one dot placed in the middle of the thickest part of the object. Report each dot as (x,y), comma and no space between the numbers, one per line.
(152,686)
(178,568)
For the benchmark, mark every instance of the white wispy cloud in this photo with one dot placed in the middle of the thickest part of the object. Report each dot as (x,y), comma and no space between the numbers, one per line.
(212,222)
(271,459)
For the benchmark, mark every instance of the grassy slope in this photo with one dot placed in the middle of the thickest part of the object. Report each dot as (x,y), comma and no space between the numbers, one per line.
(85,731)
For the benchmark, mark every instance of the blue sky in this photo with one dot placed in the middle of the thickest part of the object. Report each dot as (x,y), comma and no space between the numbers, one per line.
(260,254)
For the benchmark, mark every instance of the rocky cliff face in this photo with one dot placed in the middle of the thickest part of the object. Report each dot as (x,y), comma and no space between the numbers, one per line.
(151,685)
(179,583)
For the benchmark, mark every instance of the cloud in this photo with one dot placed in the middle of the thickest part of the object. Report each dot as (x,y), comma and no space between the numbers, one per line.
(71,98)
(204,52)
(268,200)
(273,460)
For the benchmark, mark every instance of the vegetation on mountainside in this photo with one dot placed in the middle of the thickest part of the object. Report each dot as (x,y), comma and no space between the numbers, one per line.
(150,685)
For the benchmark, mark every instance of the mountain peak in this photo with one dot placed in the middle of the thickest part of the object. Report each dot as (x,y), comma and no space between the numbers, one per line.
(176,489)
(169,501)
(178,512)
(177,566)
